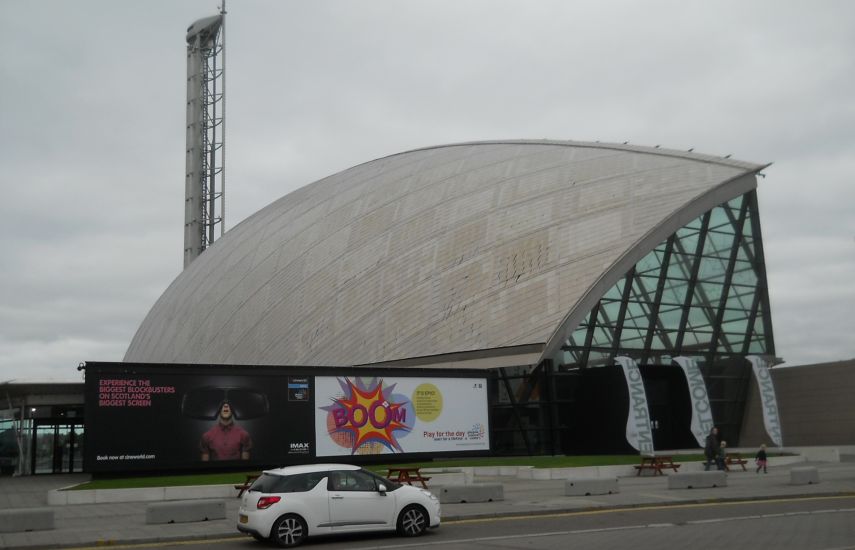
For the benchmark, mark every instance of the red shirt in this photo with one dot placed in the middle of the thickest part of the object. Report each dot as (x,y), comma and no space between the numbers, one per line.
(225,442)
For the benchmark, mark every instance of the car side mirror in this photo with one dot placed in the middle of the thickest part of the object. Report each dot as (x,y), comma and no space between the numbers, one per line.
(381,489)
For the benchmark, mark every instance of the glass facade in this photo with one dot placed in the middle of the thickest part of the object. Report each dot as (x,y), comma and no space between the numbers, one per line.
(701,293)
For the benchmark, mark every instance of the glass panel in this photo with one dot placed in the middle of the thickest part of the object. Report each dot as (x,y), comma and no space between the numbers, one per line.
(578,337)
(62,450)
(758,345)
(740,298)
(738,326)
(636,344)
(637,315)
(743,274)
(608,313)
(656,342)
(734,314)
(644,288)
(8,443)
(712,269)
(669,317)
(700,317)
(731,341)
(718,244)
(650,263)
(77,449)
(603,337)
(674,292)
(669,339)
(44,450)
(736,204)
(688,243)
(632,338)
(719,219)
(697,339)
(680,266)
(694,224)
(707,292)
(615,292)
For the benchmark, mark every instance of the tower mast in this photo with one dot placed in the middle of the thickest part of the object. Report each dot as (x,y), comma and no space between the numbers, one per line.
(204,183)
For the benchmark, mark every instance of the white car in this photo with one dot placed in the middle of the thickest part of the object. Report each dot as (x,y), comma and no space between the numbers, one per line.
(286,505)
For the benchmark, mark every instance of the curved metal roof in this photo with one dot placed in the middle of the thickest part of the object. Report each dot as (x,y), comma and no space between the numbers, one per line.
(437,250)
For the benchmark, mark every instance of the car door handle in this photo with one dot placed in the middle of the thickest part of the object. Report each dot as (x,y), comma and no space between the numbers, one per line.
(337,497)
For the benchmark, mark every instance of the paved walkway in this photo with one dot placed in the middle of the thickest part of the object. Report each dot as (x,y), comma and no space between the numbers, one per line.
(100,524)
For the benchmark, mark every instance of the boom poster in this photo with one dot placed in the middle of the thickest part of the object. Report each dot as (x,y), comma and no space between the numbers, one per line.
(369,416)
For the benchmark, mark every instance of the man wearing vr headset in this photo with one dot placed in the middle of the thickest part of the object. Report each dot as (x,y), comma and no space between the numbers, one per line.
(225,440)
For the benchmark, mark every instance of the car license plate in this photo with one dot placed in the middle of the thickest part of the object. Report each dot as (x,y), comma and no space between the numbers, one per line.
(244,518)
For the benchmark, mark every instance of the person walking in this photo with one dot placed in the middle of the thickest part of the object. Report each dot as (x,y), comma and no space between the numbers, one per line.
(711,447)
(761,459)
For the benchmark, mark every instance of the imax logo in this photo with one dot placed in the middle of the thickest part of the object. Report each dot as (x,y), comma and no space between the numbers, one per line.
(299,448)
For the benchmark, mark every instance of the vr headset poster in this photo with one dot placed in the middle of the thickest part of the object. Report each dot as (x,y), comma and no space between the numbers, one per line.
(154,420)
(370,416)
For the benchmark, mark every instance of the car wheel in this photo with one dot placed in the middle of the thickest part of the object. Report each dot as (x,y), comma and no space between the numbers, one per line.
(413,521)
(289,530)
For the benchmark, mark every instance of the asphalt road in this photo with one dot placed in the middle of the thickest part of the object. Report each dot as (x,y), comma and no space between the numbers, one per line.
(822,523)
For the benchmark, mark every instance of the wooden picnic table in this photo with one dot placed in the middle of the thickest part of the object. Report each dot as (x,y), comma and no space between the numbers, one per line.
(407,475)
(242,487)
(656,464)
(736,459)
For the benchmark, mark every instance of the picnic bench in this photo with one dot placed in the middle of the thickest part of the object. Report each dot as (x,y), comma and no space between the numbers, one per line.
(734,459)
(407,475)
(656,464)
(242,487)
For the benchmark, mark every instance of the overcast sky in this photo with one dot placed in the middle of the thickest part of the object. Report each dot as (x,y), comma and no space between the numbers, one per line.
(92,123)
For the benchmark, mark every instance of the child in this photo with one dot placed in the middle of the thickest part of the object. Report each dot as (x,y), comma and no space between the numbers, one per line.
(760,459)
(721,456)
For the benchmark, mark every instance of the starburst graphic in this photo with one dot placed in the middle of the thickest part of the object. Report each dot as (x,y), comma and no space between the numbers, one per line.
(367,416)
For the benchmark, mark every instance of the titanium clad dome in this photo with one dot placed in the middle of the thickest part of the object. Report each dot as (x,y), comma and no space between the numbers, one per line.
(438,250)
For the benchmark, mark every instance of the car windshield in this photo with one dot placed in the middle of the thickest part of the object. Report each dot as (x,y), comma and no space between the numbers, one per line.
(297,483)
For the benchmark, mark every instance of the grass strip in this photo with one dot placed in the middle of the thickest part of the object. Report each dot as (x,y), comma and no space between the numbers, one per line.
(233,478)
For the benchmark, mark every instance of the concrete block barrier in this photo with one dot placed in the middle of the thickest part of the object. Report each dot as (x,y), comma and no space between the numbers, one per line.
(182,511)
(585,487)
(26,519)
(477,492)
(63,497)
(697,480)
(447,476)
(804,475)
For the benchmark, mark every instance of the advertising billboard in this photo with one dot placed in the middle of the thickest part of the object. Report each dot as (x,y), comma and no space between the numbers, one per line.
(355,416)
(143,419)
(162,417)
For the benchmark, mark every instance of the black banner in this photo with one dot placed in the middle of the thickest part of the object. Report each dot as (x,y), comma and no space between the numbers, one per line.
(142,418)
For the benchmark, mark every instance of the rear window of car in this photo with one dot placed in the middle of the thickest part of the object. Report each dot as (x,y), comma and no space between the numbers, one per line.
(298,483)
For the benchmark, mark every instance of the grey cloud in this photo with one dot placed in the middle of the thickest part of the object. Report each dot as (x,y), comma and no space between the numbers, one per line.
(92,115)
